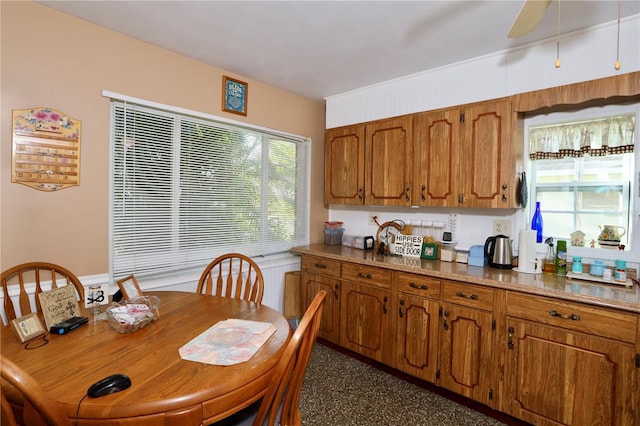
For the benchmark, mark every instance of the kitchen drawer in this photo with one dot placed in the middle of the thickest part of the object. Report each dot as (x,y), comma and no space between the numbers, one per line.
(321,265)
(418,285)
(602,322)
(366,274)
(468,295)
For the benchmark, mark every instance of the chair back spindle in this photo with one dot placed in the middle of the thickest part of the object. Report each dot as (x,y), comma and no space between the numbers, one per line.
(23,275)
(232,275)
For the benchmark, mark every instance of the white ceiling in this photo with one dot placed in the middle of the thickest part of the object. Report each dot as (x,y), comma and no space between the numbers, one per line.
(323,48)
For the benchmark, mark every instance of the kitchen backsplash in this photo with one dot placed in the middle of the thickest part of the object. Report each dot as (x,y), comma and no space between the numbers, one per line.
(468,227)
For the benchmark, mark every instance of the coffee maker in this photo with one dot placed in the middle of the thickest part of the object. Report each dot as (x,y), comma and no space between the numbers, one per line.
(529,262)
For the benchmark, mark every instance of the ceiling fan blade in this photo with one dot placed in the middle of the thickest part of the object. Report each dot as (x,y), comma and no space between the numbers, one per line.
(529,17)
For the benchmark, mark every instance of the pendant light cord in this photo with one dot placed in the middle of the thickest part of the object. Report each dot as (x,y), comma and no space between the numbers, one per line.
(557,64)
(617,64)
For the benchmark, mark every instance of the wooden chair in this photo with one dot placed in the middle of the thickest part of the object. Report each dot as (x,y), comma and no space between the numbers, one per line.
(35,273)
(236,276)
(281,402)
(39,406)
(7,417)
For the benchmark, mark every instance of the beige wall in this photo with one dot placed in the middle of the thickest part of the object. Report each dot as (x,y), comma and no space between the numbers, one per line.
(54,60)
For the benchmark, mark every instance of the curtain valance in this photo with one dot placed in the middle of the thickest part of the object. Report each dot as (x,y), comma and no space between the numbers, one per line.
(596,137)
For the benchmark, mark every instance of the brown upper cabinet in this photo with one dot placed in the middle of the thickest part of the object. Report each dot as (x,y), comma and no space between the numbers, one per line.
(344,165)
(458,157)
(388,153)
(369,163)
(465,156)
(487,161)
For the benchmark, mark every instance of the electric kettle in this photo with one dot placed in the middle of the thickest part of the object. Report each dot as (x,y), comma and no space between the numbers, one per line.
(498,252)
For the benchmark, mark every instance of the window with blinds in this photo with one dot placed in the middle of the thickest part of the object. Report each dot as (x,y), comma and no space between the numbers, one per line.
(186,189)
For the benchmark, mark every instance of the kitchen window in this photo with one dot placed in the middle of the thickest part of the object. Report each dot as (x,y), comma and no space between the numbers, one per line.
(582,172)
(187,187)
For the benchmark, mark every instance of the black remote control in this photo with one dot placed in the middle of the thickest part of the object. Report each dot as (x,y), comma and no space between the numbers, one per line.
(68,325)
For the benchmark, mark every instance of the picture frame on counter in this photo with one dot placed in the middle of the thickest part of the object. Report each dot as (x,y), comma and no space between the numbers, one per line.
(129,287)
(28,327)
(234,95)
(429,251)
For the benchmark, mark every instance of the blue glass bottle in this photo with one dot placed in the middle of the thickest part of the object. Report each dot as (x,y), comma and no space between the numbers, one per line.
(536,223)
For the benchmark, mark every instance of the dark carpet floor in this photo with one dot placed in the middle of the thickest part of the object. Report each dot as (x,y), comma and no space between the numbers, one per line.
(343,391)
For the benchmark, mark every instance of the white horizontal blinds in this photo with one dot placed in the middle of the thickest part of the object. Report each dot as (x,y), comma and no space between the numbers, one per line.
(286,197)
(220,174)
(187,189)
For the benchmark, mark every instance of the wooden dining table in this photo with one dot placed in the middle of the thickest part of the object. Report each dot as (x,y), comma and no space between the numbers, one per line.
(165,389)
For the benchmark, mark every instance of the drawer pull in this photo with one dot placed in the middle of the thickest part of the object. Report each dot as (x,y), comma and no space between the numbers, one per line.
(419,287)
(363,275)
(572,317)
(472,297)
(320,266)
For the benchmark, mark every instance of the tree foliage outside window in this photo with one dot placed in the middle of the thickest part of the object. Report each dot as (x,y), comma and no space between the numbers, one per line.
(187,189)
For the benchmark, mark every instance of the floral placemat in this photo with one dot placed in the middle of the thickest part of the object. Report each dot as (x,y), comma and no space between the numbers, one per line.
(228,342)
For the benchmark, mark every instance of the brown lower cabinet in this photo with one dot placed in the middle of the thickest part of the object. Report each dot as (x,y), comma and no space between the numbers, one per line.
(467,341)
(539,359)
(561,370)
(323,274)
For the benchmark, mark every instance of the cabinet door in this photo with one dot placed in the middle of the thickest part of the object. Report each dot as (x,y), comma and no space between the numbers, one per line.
(330,322)
(466,344)
(436,175)
(556,377)
(364,321)
(417,337)
(487,169)
(388,153)
(344,165)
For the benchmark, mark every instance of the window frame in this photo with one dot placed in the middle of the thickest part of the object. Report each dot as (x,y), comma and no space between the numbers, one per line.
(632,252)
(267,137)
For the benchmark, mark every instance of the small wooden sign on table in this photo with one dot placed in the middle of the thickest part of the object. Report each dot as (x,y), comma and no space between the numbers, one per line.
(59,304)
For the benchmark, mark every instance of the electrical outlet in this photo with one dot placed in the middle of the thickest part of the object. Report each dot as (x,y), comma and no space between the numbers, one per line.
(502,227)
(372,219)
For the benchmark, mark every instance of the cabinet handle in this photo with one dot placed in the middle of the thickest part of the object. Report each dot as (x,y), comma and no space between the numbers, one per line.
(320,266)
(461,294)
(419,287)
(363,275)
(335,292)
(510,342)
(360,193)
(384,305)
(445,325)
(572,317)
(400,313)
(422,196)
(407,193)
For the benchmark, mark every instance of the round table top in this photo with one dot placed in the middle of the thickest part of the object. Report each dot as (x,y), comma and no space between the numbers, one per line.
(162,382)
